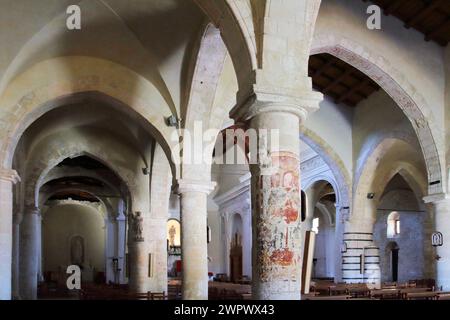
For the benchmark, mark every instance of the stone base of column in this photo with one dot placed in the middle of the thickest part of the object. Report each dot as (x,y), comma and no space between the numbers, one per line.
(360,249)
(138,264)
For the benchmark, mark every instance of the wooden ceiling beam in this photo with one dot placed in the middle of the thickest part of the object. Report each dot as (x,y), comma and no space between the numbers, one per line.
(423,13)
(338,80)
(393,7)
(327,64)
(430,35)
(353,90)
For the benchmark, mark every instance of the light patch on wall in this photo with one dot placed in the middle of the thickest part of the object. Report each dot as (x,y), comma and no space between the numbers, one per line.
(315,225)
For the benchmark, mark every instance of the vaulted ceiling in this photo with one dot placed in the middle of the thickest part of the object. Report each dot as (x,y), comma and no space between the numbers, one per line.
(430,17)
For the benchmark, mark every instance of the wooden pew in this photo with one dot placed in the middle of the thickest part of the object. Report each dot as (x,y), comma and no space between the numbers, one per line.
(429,295)
(328,298)
(443,295)
(406,291)
(385,294)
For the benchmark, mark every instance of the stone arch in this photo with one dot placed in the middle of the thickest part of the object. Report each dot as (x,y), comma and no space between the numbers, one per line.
(326,213)
(66,77)
(104,202)
(78,173)
(373,144)
(44,165)
(332,159)
(234,20)
(361,208)
(325,178)
(400,90)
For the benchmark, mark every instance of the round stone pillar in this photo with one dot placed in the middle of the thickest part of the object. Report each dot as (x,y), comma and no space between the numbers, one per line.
(194,247)
(138,262)
(441,209)
(360,255)
(17,219)
(277,237)
(277,251)
(7,179)
(29,253)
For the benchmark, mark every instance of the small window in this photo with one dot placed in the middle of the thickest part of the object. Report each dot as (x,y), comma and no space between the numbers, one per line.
(397,227)
(393,225)
(315,225)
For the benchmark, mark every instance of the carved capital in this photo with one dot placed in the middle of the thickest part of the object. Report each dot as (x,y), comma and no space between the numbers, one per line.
(437,198)
(186,185)
(264,100)
(9,175)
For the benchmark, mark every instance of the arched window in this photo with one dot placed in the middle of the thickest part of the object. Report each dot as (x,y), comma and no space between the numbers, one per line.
(393,224)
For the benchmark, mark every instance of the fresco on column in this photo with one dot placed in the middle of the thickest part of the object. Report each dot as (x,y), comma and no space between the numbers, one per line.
(279,223)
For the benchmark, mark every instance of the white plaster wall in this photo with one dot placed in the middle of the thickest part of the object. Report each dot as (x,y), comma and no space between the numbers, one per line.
(375,118)
(333,123)
(62,222)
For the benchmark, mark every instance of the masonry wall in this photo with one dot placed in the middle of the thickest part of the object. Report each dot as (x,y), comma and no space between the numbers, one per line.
(411,263)
(60,224)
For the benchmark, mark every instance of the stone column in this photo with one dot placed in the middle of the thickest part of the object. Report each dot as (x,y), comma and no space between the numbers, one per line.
(17,219)
(276,205)
(441,208)
(358,240)
(137,254)
(194,245)
(110,247)
(40,272)
(29,253)
(7,179)
(120,247)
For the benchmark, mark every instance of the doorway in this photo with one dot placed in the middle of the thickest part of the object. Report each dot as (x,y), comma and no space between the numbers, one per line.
(394,259)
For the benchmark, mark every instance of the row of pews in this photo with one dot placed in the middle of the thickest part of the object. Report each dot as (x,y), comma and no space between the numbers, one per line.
(229,291)
(108,292)
(408,291)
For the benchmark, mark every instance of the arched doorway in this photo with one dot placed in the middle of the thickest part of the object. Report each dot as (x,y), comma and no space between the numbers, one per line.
(393,250)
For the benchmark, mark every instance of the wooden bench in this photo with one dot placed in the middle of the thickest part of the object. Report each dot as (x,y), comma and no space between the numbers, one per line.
(430,295)
(406,291)
(443,295)
(328,298)
(385,294)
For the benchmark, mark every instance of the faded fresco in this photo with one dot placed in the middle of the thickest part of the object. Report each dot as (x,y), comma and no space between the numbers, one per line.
(278,220)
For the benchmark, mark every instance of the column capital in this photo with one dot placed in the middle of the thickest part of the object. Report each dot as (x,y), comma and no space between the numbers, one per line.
(9,175)
(264,100)
(188,185)
(436,198)
(30,209)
